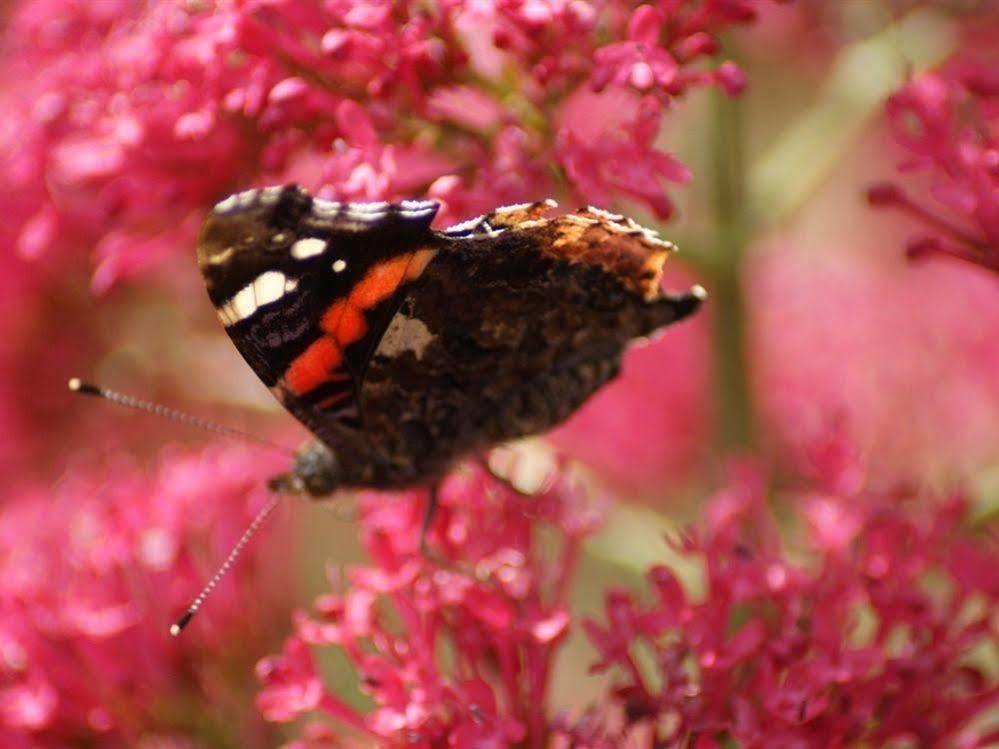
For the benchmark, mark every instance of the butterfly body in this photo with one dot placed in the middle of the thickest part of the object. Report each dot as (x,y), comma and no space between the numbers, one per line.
(403,348)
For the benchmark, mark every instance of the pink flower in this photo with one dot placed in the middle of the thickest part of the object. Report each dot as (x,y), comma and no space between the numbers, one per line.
(862,381)
(493,603)
(664,42)
(947,122)
(111,116)
(775,653)
(93,572)
(638,62)
(606,143)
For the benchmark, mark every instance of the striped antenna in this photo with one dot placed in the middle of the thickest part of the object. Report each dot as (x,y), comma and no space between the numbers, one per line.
(77,385)
(178,626)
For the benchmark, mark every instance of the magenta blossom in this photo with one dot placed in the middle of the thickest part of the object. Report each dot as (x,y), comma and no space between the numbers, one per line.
(112,112)
(662,43)
(854,365)
(947,122)
(491,599)
(882,633)
(94,570)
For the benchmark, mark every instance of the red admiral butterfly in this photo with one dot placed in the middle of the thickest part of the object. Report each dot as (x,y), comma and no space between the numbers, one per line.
(403,348)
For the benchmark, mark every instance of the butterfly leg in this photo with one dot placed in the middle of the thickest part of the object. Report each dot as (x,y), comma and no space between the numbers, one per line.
(433,556)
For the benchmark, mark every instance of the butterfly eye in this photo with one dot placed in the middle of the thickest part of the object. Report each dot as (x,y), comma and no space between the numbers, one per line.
(339,265)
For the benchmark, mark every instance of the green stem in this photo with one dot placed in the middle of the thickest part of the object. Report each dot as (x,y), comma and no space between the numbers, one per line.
(728,313)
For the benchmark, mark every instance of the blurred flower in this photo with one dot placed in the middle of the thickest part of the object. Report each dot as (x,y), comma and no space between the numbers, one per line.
(947,121)
(662,43)
(492,601)
(890,372)
(113,111)
(614,152)
(885,636)
(94,571)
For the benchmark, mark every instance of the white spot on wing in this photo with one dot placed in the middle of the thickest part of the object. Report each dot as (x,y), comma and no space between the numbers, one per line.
(269,287)
(416,208)
(339,265)
(604,214)
(359,212)
(224,206)
(308,247)
(464,226)
(223,257)
(513,208)
(225,314)
(417,205)
(417,214)
(270,195)
(619,228)
(476,227)
(405,334)
(244,303)
(379,206)
(326,208)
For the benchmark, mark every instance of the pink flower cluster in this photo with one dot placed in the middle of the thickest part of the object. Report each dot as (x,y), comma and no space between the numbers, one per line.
(947,122)
(881,631)
(454,651)
(125,120)
(846,349)
(114,110)
(93,571)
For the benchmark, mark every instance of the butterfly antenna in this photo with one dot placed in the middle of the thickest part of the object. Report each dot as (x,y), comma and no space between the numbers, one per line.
(77,385)
(178,626)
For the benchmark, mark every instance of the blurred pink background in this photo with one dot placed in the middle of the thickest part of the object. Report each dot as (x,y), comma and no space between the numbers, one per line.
(822,438)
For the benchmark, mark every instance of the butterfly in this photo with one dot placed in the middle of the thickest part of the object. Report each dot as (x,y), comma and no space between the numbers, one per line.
(403,348)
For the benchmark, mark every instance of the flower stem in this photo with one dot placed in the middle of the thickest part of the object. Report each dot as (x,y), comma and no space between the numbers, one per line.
(727,313)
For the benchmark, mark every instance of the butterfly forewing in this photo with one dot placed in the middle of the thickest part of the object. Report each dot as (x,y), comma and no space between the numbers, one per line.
(306,288)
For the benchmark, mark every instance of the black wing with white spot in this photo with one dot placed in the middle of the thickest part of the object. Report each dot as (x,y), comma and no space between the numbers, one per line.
(305,287)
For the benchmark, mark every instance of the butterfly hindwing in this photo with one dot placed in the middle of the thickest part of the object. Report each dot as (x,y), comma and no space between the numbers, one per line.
(306,287)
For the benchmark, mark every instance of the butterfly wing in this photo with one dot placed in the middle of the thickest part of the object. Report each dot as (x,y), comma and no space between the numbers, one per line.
(306,287)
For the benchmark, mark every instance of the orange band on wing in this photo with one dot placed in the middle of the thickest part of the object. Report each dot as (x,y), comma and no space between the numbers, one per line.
(418,263)
(345,320)
(345,323)
(380,282)
(314,366)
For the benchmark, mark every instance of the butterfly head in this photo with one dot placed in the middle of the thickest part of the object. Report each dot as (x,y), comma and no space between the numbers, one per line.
(316,472)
